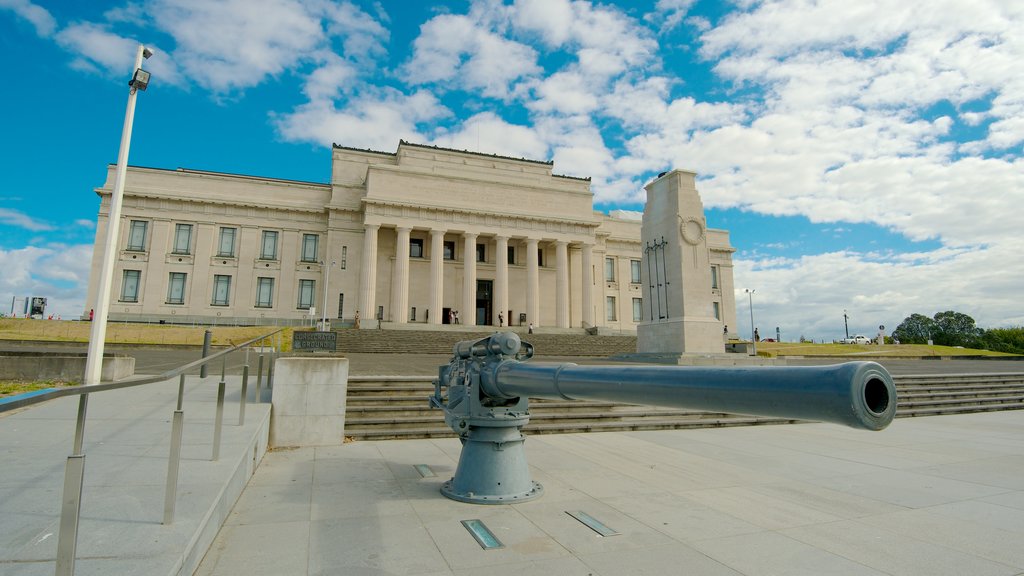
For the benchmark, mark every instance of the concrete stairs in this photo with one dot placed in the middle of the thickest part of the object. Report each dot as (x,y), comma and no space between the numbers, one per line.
(393,407)
(441,342)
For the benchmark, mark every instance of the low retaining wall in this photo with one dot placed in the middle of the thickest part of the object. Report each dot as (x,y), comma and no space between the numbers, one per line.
(309,401)
(65,367)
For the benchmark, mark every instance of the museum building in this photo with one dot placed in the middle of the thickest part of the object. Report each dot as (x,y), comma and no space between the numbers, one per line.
(423,235)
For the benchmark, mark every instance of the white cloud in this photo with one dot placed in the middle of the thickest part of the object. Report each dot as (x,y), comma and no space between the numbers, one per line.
(57,272)
(456,48)
(669,13)
(39,17)
(374,120)
(21,220)
(488,133)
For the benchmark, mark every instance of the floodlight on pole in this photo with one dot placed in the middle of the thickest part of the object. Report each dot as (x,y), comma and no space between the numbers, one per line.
(98,333)
(67,537)
(753,340)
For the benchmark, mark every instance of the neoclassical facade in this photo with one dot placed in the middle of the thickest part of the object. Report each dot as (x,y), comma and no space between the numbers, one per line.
(419,235)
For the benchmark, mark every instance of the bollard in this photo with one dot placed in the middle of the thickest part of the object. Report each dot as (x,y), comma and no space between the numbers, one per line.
(207,339)
(259,379)
(245,393)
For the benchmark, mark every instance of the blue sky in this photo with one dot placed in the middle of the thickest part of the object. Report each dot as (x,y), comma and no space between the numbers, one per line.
(865,156)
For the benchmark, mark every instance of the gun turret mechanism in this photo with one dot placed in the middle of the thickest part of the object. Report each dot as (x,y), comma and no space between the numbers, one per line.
(484,390)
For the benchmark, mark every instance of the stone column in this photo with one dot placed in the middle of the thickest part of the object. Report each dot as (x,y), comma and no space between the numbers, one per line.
(588,285)
(436,276)
(562,284)
(400,278)
(368,276)
(501,281)
(467,315)
(532,282)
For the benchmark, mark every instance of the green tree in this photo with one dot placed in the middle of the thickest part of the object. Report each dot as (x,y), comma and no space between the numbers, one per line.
(956,329)
(915,329)
(1009,340)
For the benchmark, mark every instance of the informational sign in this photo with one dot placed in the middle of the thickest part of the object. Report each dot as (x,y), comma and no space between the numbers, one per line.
(38,307)
(315,341)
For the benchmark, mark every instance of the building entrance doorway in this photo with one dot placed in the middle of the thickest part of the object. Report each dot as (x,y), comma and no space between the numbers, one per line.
(483,302)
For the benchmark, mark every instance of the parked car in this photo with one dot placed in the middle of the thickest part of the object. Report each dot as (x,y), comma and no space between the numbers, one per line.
(858,339)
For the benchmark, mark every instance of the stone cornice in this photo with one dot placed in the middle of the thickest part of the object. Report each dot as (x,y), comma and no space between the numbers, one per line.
(429,213)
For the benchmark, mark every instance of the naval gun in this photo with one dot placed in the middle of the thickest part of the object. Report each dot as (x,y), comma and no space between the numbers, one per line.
(484,393)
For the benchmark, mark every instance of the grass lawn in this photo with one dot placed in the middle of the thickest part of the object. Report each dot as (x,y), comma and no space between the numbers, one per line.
(13,387)
(127,333)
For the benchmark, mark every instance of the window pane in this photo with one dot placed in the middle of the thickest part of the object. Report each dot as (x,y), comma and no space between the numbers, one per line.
(309,242)
(269,248)
(714,276)
(221,290)
(344,257)
(718,310)
(609,269)
(182,238)
(638,310)
(481,252)
(176,288)
(264,292)
(416,248)
(511,255)
(130,286)
(137,235)
(227,242)
(634,271)
(306,290)
(610,308)
(449,250)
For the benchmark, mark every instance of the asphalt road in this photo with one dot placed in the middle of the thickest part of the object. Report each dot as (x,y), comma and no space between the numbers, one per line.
(157,359)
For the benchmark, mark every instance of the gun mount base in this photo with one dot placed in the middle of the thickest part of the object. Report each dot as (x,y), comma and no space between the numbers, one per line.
(492,469)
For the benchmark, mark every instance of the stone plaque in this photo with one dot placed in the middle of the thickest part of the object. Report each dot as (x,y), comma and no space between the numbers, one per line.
(315,341)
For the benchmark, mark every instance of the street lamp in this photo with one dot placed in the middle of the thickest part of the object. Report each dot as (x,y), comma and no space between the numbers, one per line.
(846,324)
(74,472)
(327,281)
(750,297)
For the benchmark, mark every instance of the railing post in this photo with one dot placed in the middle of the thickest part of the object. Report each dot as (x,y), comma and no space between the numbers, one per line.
(259,378)
(245,393)
(71,497)
(219,421)
(174,459)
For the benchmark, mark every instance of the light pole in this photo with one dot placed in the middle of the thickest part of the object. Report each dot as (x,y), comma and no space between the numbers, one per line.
(750,297)
(327,281)
(846,324)
(74,472)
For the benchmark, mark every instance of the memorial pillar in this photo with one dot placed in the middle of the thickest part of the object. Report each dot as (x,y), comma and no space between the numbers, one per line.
(467,315)
(400,278)
(368,275)
(532,282)
(501,281)
(562,284)
(436,276)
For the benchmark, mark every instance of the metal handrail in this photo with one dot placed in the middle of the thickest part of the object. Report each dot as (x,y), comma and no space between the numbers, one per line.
(67,538)
(51,393)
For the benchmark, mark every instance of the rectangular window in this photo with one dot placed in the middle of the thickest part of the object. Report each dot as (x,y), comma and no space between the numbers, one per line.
(226,245)
(264,292)
(511,255)
(416,247)
(309,247)
(307,289)
(609,269)
(130,285)
(638,309)
(176,288)
(634,271)
(449,250)
(182,239)
(341,305)
(714,277)
(609,308)
(540,257)
(481,253)
(221,290)
(137,235)
(268,247)
(717,309)
(344,259)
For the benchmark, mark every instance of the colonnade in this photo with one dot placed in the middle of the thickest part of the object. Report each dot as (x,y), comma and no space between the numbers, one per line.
(400,278)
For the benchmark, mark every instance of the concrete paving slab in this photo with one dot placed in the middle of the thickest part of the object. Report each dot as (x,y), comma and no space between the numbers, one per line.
(699,501)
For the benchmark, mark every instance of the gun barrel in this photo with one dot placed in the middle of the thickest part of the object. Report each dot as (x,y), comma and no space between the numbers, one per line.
(856,394)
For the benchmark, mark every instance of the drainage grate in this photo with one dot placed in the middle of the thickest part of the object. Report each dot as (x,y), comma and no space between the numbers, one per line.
(592,523)
(483,535)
